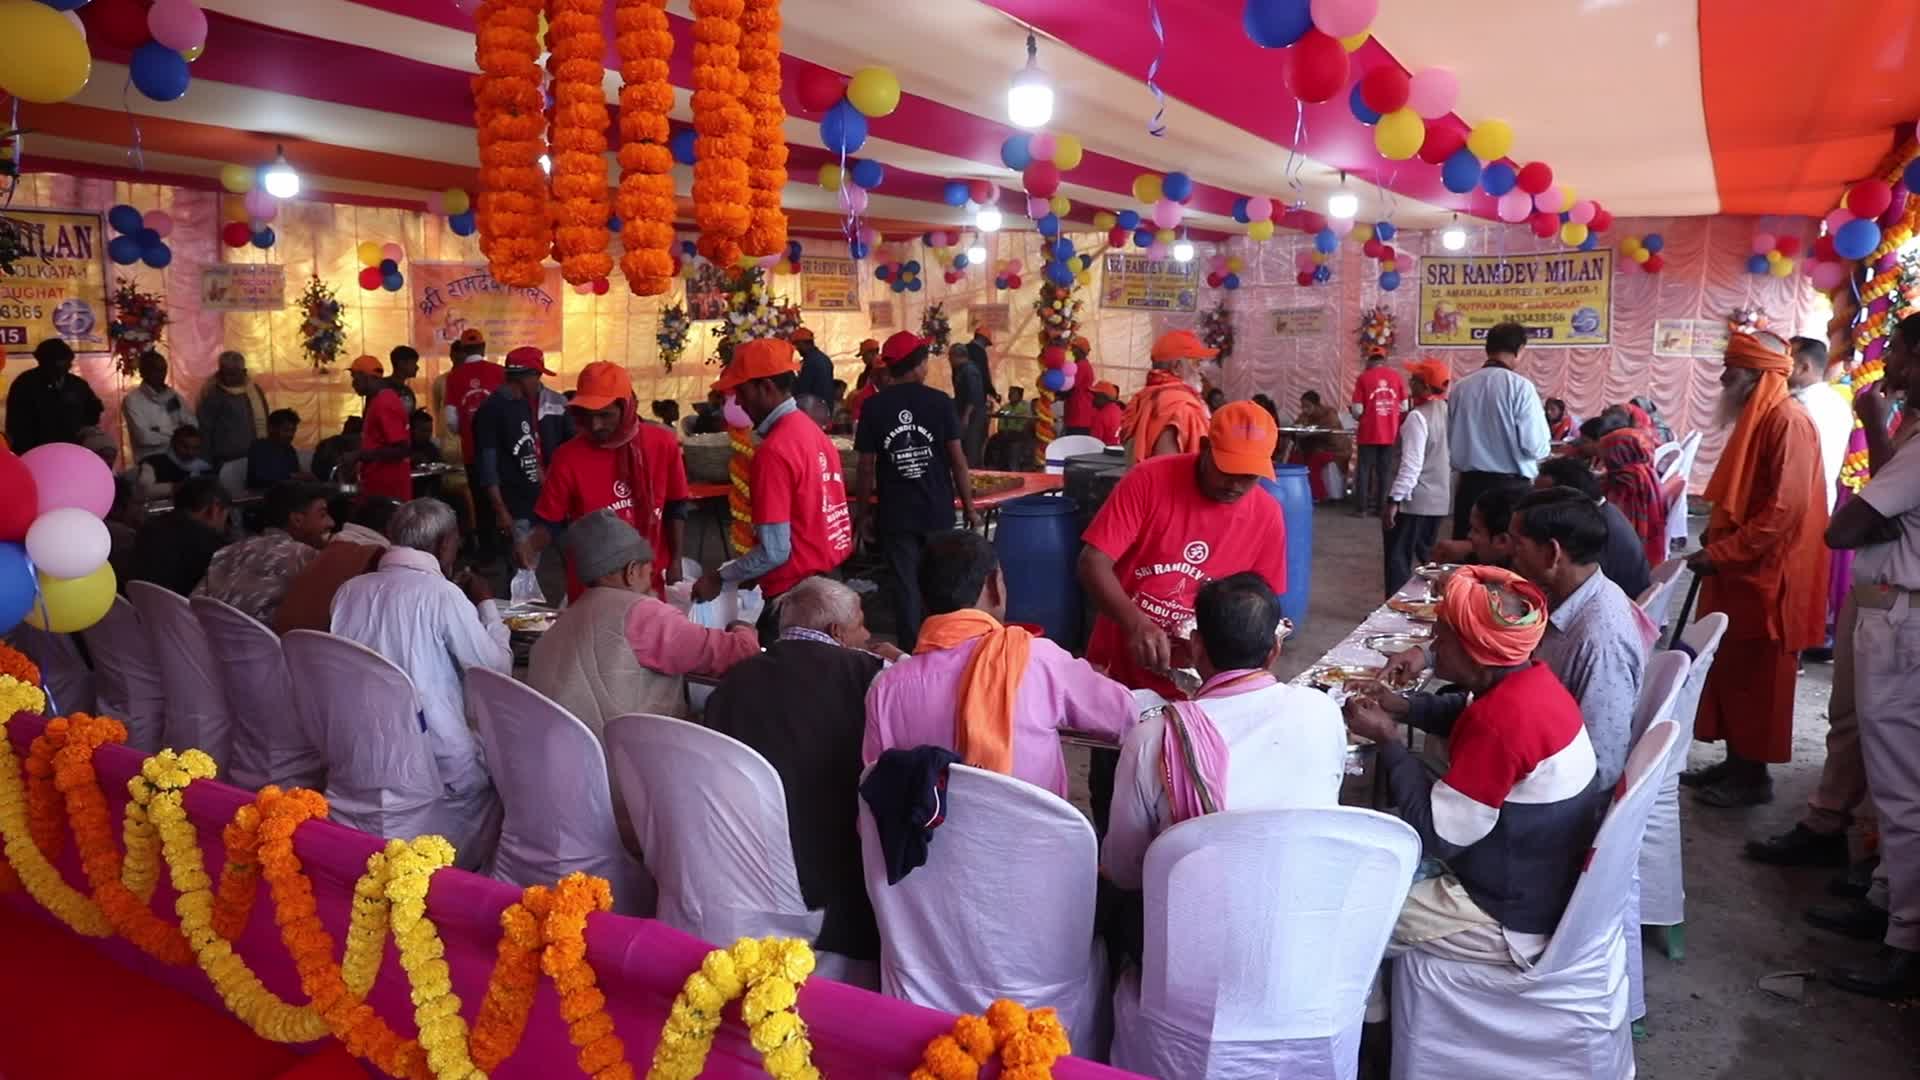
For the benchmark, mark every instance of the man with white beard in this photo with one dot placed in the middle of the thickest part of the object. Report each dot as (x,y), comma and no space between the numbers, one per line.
(1168,415)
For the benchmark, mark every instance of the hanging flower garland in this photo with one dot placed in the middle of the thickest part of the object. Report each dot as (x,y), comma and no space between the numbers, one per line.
(1028,1042)
(935,328)
(767,164)
(138,319)
(1059,315)
(1216,329)
(1377,330)
(674,327)
(768,972)
(579,140)
(740,536)
(322,326)
(509,111)
(722,193)
(1747,320)
(645,200)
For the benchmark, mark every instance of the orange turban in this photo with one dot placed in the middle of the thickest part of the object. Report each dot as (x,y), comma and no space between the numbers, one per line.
(1732,481)
(1471,607)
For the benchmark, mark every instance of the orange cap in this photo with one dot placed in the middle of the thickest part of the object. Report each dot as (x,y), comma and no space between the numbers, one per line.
(761,358)
(802,334)
(869,346)
(1182,345)
(1432,372)
(471,336)
(1081,343)
(1106,388)
(602,383)
(983,334)
(366,365)
(1241,440)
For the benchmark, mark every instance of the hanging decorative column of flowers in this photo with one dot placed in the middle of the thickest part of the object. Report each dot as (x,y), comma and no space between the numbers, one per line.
(511,205)
(579,140)
(722,193)
(767,164)
(1059,315)
(645,200)
(1216,329)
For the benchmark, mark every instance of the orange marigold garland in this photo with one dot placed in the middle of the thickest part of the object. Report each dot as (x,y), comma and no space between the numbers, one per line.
(1028,1042)
(767,165)
(579,140)
(15,663)
(645,200)
(509,103)
(722,195)
(516,974)
(582,1005)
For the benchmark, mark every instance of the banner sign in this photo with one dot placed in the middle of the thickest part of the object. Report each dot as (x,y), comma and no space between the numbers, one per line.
(1300,321)
(58,287)
(996,319)
(243,287)
(1561,297)
(451,298)
(829,284)
(880,314)
(1137,283)
(1704,339)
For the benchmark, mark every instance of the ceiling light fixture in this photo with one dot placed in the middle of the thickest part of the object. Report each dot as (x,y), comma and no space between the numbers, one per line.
(1455,237)
(1343,203)
(1183,249)
(988,219)
(280,180)
(1030,95)
(976,255)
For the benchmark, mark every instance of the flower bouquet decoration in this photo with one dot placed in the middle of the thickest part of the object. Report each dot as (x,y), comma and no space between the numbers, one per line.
(1747,320)
(672,337)
(322,326)
(934,327)
(751,313)
(1376,328)
(1216,329)
(1059,315)
(135,325)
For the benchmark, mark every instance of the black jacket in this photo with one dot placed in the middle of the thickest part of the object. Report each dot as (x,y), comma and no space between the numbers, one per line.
(41,410)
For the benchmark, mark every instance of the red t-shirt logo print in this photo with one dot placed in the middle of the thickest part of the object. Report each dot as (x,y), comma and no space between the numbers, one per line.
(1197,552)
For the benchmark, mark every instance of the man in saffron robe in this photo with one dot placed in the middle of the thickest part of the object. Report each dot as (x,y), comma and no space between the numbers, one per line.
(1168,415)
(1765,565)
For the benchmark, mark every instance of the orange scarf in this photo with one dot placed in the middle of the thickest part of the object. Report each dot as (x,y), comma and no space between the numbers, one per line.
(1165,402)
(983,720)
(1732,482)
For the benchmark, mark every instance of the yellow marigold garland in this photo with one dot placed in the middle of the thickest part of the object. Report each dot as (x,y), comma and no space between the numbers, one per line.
(436,1008)
(769,971)
(579,139)
(722,193)
(645,200)
(739,493)
(509,104)
(767,163)
(1043,425)
(1028,1042)
(17,695)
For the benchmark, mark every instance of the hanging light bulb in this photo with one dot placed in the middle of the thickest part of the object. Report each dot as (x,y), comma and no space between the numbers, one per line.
(546,164)
(280,180)
(988,219)
(1183,249)
(1030,95)
(1455,237)
(976,255)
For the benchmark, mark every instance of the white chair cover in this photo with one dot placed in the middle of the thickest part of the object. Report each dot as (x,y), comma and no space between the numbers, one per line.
(128,675)
(270,744)
(1677,509)
(1566,1017)
(1657,600)
(64,673)
(197,713)
(711,818)
(1264,932)
(552,777)
(1666,676)
(1066,446)
(233,477)
(1663,894)
(1002,908)
(381,777)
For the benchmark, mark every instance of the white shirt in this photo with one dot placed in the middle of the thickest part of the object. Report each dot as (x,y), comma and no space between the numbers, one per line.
(1287,749)
(1413,455)
(151,419)
(1833,419)
(1496,424)
(408,612)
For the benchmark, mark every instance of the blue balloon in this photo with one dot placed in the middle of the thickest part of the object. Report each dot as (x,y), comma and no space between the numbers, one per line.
(911,266)
(125,250)
(1060,274)
(1130,219)
(1086,262)
(17,586)
(955,193)
(1461,172)
(1359,107)
(1000,283)
(392,282)
(1230,282)
(1063,249)
(1499,178)
(1911,178)
(843,130)
(1325,242)
(688,249)
(915,285)
(1323,273)
(157,256)
(881,272)
(899,284)
(159,72)
(1384,231)
(960,261)
(614,224)
(1054,380)
(389,266)
(682,144)
(1177,186)
(463,224)
(148,238)
(1855,240)
(1276,24)
(1593,241)
(1048,225)
(265,238)
(124,219)
(1757,264)
(869,174)
(858,249)
(1017,153)
(1390,280)
(1240,210)
(1143,238)
(794,250)
(1653,241)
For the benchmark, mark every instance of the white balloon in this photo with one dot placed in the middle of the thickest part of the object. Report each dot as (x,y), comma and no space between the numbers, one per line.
(68,543)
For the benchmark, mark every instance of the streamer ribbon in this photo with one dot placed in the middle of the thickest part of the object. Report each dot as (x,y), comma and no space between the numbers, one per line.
(1157,126)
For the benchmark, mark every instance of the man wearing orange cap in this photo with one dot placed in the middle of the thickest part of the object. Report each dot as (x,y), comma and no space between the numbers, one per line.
(385,458)
(1108,415)
(1079,411)
(816,370)
(1420,486)
(800,520)
(617,462)
(1379,395)
(1765,565)
(872,379)
(1168,415)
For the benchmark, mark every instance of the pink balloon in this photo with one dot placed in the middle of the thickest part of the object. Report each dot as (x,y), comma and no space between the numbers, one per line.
(1342,227)
(1038,207)
(1514,206)
(1066,379)
(734,415)
(1166,213)
(1041,147)
(1259,208)
(262,206)
(1581,212)
(394,252)
(1763,243)
(160,222)
(1343,18)
(180,25)
(870,236)
(1552,200)
(1432,92)
(853,198)
(436,203)
(1218,264)
(1828,275)
(768,262)
(1837,217)
(1156,250)
(1303,260)
(68,474)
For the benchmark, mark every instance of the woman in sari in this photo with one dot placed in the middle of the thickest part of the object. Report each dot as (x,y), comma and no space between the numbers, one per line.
(1633,487)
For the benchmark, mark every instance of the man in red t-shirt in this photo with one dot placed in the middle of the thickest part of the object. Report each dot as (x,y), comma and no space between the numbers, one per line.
(617,462)
(800,520)
(1108,414)
(385,458)
(1080,410)
(471,382)
(1379,395)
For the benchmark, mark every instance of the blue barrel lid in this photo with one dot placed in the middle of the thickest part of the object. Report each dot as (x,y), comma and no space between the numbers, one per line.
(1041,505)
(1289,470)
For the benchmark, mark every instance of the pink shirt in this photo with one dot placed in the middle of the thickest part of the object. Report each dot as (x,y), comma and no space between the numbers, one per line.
(666,641)
(1058,693)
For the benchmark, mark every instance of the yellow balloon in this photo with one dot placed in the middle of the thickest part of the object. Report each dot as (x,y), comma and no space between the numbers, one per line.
(1260,230)
(1353,43)
(1781,268)
(874,91)
(1362,232)
(194,53)
(1774,256)
(234,210)
(1235,264)
(237,179)
(1489,139)
(1629,244)
(830,177)
(1061,205)
(1319,257)
(369,253)
(1387,265)
(43,56)
(1166,236)
(1641,254)
(1067,151)
(1399,134)
(456,200)
(1573,234)
(1146,189)
(1105,220)
(73,604)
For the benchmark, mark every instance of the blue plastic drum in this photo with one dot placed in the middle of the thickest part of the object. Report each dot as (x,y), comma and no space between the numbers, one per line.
(1039,545)
(1290,489)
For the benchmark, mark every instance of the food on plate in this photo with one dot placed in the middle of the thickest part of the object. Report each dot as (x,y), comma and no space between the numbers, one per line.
(537,622)
(1422,610)
(1389,644)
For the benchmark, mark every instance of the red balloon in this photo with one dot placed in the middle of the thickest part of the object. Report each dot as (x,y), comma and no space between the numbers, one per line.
(1312,221)
(370,278)
(1535,177)
(819,89)
(1602,219)
(1544,224)
(120,23)
(1013,281)
(601,286)
(1869,198)
(1385,89)
(1823,250)
(1316,67)
(1788,245)
(1042,179)
(1214,280)
(1304,277)
(236,234)
(1118,237)
(1371,249)
(1444,136)
(1054,358)
(1653,264)
(981,191)
(22,503)
(952,276)
(1387,253)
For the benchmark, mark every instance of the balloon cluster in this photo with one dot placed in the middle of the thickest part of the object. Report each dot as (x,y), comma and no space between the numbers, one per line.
(786,261)
(1256,213)
(457,205)
(902,276)
(1057,369)
(1008,276)
(1404,109)
(941,243)
(380,265)
(164,37)
(853,183)
(1310,263)
(250,217)
(845,104)
(1223,271)
(54,544)
(1772,253)
(1869,206)
(1376,241)
(1528,193)
(143,237)
(1040,158)
(1166,199)
(1644,252)
(1317,36)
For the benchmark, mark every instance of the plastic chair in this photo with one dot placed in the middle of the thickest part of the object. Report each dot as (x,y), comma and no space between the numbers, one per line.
(1002,908)
(1665,678)
(197,715)
(1677,504)
(1264,932)
(537,752)
(1657,600)
(270,744)
(1066,446)
(711,818)
(1663,900)
(233,477)
(1666,461)
(128,675)
(64,673)
(1564,1018)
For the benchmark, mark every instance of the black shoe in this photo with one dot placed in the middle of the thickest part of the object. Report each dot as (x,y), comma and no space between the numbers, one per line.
(1822,655)
(1800,846)
(1894,976)
(1731,793)
(1710,774)
(1853,918)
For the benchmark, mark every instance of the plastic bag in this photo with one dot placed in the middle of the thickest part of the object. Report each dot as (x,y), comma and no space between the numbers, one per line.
(525,589)
(733,605)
